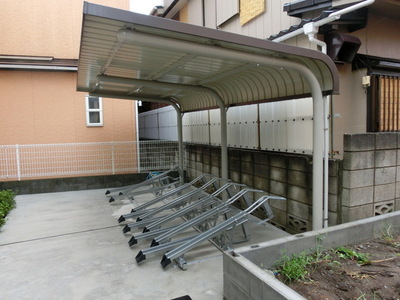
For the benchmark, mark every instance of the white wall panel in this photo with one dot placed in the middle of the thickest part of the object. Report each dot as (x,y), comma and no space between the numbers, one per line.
(287,126)
(195,127)
(215,127)
(249,126)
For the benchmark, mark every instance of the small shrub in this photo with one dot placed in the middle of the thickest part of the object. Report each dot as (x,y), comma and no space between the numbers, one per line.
(346,253)
(294,267)
(7,203)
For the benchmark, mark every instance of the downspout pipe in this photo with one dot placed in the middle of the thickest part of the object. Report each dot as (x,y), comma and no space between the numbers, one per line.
(130,36)
(311,30)
(179,117)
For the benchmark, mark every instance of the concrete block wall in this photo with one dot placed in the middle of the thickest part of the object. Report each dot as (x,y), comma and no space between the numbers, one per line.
(278,174)
(244,268)
(371,175)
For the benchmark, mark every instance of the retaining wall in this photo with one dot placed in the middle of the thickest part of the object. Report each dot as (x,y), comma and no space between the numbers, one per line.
(244,269)
(280,174)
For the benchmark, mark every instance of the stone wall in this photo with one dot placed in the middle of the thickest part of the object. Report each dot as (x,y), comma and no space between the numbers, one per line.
(371,178)
(365,183)
(280,174)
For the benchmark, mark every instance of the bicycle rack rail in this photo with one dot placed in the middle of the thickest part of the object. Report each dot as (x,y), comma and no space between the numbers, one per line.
(203,222)
(219,230)
(178,190)
(193,206)
(187,212)
(181,201)
(166,184)
(149,181)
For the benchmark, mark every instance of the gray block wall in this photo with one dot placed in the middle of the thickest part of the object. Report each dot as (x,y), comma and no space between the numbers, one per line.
(365,183)
(280,174)
(371,179)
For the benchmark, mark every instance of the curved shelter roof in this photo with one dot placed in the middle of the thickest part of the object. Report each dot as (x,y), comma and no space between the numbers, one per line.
(129,55)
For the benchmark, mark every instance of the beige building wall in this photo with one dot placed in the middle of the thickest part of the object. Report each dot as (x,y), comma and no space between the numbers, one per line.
(44,107)
(380,39)
(44,27)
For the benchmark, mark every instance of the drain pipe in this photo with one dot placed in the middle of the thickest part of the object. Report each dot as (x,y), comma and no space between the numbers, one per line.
(311,29)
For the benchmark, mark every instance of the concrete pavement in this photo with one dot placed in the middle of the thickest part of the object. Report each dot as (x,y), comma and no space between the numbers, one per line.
(69,245)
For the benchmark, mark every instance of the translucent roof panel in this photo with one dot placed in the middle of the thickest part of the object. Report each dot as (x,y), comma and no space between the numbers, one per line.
(129,55)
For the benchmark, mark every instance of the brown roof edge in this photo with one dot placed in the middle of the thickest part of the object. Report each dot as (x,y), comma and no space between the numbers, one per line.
(211,34)
(46,61)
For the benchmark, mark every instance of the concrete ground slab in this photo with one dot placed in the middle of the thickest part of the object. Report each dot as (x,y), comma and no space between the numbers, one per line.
(69,245)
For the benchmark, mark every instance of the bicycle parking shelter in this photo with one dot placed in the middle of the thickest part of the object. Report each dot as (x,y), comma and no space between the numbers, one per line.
(138,57)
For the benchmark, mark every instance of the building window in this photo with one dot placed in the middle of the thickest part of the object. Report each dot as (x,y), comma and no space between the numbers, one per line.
(94,111)
(385,103)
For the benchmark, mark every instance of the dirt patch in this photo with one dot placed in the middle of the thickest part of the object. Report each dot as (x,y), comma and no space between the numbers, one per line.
(338,278)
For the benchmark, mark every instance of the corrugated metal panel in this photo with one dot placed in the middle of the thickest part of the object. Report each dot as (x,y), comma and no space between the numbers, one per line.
(160,123)
(277,126)
(195,127)
(186,62)
(151,125)
(215,127)
(243,127)
(249,127)
(287,126)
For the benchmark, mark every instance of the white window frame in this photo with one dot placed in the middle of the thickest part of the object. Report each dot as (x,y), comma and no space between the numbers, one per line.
(90,110)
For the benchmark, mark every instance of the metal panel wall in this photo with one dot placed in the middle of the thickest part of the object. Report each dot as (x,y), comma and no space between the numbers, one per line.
(168,124)
(243,127)
(215,127)
(158,124)
(284,126)
(196,128)
(287,126)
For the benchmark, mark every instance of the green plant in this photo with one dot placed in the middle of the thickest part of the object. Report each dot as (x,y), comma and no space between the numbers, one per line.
(294,267)
(346,253)
(388,234)
(7,203)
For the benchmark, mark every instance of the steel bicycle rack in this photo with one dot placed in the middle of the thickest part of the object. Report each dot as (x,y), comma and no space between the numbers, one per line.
(176,191)
(166,184)
(157,183)
(180,201)
(217,233)
(188,212)
(202,222)
(149,181)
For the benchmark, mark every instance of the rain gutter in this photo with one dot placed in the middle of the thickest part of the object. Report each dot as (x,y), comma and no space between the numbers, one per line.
(332,17)
(38,67)
(135,37)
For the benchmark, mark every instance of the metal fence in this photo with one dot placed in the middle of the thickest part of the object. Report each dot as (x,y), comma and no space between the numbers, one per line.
(19,162)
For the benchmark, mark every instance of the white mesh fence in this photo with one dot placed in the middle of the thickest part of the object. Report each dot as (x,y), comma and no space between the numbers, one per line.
(19,162)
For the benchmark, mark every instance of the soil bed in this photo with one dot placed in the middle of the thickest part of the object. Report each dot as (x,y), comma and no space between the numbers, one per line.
(337,278)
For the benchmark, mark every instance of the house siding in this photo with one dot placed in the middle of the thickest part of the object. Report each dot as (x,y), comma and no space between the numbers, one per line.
(43,106)
(45,28)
